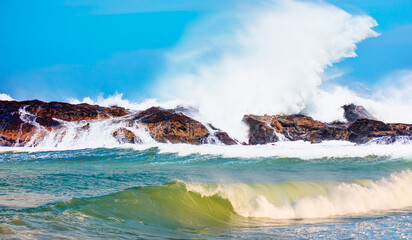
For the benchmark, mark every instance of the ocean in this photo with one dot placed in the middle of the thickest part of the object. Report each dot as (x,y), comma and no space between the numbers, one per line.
(73,180)
(176,191)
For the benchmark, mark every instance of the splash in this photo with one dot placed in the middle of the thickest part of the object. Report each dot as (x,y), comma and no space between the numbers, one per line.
(118,100)
(270,62)
(5,97)
(202,204)
(302,200)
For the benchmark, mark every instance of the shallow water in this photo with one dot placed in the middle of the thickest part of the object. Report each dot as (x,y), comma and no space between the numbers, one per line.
(181,191)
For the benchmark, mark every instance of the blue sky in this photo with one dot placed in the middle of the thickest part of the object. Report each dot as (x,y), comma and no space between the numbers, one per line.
(60,49)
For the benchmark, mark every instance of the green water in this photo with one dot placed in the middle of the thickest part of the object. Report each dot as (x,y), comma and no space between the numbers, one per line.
(130,194)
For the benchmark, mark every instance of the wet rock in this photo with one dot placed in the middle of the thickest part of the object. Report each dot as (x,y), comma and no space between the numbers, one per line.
(171,126)
(260,131)
(21,120)
(366,130)
(354,112)
(224,138)
(124,135)
(266,129)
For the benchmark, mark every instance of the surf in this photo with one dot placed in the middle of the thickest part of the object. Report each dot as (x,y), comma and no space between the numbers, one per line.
(189,204)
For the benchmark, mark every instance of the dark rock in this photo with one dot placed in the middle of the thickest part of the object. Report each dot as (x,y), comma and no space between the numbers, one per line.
(354,112)
(365,130)
(263,129)
(224,138)
(260,131)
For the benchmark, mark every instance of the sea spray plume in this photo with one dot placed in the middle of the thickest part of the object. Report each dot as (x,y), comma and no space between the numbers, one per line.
(5,97)
(270,63)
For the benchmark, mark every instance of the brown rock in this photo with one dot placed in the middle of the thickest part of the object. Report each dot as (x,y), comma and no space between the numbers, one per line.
(260,131)
(263,129)
(224,138)
(123,135)
(15,131)
(170,126)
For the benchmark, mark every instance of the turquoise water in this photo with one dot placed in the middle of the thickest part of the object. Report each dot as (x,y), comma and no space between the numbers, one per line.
(149,193)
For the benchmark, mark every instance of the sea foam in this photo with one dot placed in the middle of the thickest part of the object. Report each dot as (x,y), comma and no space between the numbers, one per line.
(302,200)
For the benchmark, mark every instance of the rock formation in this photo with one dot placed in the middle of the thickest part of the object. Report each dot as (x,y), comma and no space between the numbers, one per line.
(360,128)
(171,126)
(267,129)
(353,112)
(365,130)
(30,121)
(20,122)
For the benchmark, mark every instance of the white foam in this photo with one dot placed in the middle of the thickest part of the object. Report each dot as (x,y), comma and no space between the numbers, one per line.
(294,149)
(314,200)
(271,61)
(5,97)
(118,100)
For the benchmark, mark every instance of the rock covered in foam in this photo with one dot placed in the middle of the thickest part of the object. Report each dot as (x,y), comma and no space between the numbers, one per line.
(31,121)
(123,135)
(20,121)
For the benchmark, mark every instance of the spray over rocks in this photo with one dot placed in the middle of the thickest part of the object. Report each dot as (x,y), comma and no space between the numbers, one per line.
(37,123)
(33,123)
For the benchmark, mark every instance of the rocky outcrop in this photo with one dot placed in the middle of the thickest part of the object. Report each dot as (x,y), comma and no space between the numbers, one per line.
(20,121)
(171,126)
(360,128)
(366,130)
(65,111)
(353,112)
(30,121)
(224,138)
(268,129)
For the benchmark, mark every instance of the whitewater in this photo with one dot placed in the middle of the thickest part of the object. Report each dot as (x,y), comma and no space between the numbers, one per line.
(77,183)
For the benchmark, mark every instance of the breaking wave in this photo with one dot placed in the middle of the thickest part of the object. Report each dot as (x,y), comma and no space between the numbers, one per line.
(179,203)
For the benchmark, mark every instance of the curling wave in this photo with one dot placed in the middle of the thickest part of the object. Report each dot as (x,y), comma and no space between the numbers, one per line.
(198,204)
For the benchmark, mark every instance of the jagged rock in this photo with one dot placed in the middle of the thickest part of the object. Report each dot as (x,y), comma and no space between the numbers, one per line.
(15,131)
(365,130)
(260,131)
(123,135)
(263,129)
(354,112)
(224,138)
(170,126)
(20,121)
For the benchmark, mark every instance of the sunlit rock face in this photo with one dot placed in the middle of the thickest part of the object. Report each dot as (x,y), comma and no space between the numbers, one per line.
(31,121)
